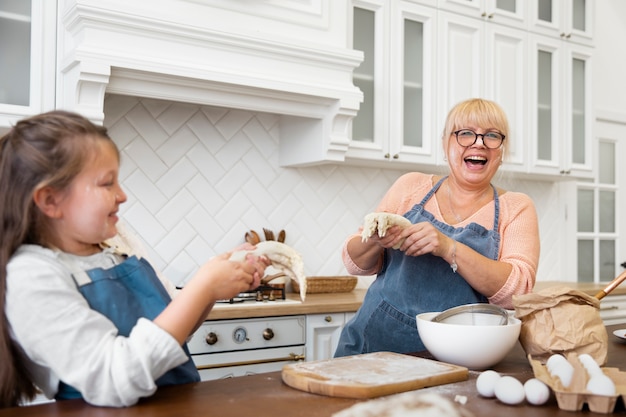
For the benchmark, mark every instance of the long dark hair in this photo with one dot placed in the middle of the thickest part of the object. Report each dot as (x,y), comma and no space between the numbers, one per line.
(44,150)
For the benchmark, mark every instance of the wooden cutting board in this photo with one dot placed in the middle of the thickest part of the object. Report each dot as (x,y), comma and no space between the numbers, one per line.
(370,375)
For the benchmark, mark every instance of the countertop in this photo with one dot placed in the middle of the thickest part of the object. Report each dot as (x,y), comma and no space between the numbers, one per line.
(266,395)
(347,302)
(314,304)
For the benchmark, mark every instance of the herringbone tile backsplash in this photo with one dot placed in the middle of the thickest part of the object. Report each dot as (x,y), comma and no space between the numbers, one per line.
(199,177)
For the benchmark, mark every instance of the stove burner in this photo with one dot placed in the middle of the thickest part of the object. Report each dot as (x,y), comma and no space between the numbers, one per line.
(260,294)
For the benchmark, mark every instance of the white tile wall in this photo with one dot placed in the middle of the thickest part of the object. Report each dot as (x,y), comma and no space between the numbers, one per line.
(199,177)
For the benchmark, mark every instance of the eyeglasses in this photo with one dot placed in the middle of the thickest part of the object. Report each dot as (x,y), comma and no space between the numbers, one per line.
(491,140)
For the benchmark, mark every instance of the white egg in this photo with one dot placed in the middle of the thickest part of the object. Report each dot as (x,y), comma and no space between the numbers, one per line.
(601,384)
(537,392)
(590,364)
(509,390)
(554,360)
(560,368)
(486,382)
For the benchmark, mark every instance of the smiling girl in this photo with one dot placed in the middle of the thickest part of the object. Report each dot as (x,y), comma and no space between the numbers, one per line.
(84,317)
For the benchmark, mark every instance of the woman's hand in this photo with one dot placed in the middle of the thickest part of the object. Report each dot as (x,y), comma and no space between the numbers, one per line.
(422,238)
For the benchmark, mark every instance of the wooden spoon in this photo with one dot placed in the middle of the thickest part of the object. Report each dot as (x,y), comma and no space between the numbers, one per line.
(612,285)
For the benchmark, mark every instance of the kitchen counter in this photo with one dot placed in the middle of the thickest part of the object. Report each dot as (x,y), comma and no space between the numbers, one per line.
(266,395)
(586,287)
(314,304)
(347,302)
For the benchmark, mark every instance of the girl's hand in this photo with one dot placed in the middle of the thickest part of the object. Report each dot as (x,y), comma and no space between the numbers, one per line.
(225,278)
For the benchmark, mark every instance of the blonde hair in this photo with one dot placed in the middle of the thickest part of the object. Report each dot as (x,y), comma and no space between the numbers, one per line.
(479,112)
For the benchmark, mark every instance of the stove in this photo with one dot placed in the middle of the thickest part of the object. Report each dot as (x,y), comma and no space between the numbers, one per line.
(264,293)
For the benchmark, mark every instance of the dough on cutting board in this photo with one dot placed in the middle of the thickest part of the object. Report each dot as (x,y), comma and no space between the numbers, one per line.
(407,404)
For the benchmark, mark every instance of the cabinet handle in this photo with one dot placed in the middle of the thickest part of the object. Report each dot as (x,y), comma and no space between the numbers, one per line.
(387,156)
(328,319)
(396,156)
(565,171)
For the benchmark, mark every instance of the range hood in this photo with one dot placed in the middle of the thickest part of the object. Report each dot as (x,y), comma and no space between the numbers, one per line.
(287,57)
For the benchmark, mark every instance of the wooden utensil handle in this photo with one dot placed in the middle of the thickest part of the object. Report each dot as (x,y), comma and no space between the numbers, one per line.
(612,285)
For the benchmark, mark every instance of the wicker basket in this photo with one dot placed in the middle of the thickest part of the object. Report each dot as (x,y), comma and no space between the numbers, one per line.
(326,284)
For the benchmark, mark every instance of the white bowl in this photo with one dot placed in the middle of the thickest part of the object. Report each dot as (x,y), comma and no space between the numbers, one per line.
(475,346)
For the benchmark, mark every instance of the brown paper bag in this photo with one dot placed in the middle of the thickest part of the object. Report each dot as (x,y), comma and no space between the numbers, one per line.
(561,320)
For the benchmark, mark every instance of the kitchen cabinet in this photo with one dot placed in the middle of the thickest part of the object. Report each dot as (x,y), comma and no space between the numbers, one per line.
(394,126)
(512,13)
(570,20)
(479,58)
(322,334)
(561,117)
(613,309)
(27,41)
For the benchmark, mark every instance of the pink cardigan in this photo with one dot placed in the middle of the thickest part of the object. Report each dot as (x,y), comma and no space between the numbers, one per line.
(518,228)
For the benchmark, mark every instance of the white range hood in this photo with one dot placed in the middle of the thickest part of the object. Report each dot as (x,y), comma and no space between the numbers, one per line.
(288,57)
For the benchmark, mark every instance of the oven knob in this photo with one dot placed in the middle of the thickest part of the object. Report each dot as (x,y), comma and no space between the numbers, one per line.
(268,334)
(211,338)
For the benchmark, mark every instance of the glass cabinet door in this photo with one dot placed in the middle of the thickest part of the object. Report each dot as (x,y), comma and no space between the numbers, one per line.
(15,52)
(364,39)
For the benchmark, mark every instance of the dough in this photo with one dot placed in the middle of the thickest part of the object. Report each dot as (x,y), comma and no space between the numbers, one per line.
(407,404)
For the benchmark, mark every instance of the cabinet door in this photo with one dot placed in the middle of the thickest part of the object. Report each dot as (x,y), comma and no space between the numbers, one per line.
(27,40)
(512,13)
(395,120)
(412,112)
(506,83)
(561,116)
(460,61)
(370,35)
(322,335)
(569,20)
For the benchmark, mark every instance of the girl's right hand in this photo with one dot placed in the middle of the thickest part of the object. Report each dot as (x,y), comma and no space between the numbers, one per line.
(225,278)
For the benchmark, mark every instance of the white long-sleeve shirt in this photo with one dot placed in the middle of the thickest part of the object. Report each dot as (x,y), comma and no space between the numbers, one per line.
(66,340)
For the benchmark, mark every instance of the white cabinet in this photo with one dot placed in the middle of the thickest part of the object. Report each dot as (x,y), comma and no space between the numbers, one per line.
(394,126)
(27,42)
(322,334)
(613,309)
(571,20)
(479,58)
(511,13)
(561,117)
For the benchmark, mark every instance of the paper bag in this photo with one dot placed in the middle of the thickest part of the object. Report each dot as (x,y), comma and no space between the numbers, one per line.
(561,320)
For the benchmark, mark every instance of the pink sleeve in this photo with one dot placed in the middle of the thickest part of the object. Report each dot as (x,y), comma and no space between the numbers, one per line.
(519,246)
(405,192)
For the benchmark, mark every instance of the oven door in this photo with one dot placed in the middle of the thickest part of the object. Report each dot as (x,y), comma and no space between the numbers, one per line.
(241,363)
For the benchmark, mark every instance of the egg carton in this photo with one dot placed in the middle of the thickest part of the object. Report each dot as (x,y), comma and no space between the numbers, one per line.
(575,396)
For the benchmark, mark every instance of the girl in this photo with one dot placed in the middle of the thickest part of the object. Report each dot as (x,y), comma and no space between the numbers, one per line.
(83,318)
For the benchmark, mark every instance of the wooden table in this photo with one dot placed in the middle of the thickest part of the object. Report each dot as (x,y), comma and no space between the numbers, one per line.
(266,395)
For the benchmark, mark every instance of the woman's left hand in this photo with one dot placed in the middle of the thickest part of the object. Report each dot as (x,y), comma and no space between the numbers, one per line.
(421,238)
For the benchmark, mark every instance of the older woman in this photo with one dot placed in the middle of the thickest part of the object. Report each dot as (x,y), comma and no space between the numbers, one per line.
(468,242)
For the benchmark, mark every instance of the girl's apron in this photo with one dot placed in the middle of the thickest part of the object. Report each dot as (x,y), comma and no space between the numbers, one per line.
(125,293)
(409,285)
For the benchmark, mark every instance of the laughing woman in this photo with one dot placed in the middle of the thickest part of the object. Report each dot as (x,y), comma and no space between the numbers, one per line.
(468,242)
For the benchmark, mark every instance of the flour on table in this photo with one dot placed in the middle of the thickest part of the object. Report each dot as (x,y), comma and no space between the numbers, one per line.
(373,369)
(408,404)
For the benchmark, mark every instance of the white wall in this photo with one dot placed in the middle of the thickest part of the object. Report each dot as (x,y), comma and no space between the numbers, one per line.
(610,57)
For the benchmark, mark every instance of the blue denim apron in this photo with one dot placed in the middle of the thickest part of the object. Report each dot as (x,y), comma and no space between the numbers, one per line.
(409,285)
(124,293)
